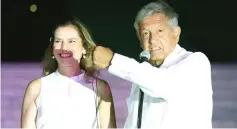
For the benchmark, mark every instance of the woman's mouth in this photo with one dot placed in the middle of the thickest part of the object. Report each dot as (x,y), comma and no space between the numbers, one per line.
(65,55)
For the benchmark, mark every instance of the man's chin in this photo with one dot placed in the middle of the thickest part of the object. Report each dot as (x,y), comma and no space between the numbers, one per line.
(156,62)
(157,57)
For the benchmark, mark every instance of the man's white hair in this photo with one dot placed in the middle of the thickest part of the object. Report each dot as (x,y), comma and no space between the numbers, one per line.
(157,7)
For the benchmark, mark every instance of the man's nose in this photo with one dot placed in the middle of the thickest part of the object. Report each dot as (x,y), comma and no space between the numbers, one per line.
(153,39)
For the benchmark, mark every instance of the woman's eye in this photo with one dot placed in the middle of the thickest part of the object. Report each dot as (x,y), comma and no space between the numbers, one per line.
(57,41)
(72,41)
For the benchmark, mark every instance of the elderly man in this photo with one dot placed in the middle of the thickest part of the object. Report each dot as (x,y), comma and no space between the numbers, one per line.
(176,83)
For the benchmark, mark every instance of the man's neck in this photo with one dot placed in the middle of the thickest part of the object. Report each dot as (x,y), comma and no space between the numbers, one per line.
(69,71)
(156,63)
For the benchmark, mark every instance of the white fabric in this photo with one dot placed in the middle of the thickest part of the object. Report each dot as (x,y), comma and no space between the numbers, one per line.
(66,103)
(178,95)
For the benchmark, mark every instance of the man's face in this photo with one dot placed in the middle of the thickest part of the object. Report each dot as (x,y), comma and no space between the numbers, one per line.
(158,37)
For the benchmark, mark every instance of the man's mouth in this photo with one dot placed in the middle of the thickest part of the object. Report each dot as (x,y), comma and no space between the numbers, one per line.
(155,49)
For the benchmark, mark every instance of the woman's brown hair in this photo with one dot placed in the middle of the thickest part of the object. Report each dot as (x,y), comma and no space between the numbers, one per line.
(50,65)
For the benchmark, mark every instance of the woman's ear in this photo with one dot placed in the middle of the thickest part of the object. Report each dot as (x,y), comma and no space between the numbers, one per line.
(83,51)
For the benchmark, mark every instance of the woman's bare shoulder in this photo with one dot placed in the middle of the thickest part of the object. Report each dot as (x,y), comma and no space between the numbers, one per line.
(104,88)
(33,88)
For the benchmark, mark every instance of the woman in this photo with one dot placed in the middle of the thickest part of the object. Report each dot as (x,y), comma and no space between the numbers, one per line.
(69,95)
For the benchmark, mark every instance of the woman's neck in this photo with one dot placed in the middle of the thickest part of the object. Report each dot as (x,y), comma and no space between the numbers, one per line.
(69,71)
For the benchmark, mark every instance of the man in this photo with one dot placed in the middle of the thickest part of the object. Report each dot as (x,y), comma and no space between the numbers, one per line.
(178,93)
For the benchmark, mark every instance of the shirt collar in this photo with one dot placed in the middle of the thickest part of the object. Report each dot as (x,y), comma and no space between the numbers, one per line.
(169,60)
(76,78)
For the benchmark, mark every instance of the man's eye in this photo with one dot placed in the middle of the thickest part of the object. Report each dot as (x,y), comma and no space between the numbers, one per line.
(160,30)
(145,35)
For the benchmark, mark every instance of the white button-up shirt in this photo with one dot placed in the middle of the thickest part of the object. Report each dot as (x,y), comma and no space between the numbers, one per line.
(178,95)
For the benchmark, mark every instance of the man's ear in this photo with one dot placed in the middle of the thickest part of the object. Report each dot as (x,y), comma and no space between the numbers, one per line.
(177,32)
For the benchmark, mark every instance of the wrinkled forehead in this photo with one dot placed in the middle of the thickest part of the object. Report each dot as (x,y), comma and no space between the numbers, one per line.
(157,19)
(68,31)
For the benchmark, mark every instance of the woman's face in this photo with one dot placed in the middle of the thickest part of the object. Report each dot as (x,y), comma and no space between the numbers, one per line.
(67,45)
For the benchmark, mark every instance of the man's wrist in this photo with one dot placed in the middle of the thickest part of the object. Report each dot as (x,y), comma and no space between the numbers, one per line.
(110,62)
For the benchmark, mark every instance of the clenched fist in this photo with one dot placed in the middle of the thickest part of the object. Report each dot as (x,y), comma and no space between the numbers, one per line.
(102,57)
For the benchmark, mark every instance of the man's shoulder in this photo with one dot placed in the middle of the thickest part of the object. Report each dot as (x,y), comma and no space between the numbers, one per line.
(195,57)
(199,56)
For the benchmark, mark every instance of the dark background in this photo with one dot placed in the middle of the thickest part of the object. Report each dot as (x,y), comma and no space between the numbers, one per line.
(207,25)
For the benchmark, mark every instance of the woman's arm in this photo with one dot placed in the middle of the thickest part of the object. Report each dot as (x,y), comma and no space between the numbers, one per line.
(106,107)
(29,109)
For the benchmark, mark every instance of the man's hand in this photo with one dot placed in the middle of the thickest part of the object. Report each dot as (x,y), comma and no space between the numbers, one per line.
(102,57)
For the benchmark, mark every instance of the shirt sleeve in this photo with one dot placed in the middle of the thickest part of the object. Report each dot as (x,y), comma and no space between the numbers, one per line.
(191,75)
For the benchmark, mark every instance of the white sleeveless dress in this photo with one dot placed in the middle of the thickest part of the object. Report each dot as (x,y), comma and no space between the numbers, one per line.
(66,103)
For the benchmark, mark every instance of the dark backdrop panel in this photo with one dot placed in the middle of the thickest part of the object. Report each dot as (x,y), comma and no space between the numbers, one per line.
(207,26)
(25,35)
